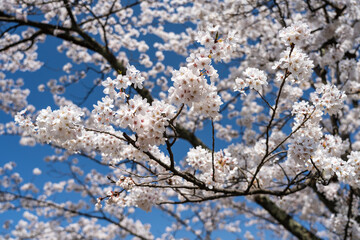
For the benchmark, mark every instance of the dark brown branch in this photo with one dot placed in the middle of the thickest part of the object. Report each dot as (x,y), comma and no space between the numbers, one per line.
(49,29)
(349,214)
(31,39)
(328,203)
(282,17)
(285,219)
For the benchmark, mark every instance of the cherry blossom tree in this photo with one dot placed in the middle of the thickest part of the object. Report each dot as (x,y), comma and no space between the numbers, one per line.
(219,114)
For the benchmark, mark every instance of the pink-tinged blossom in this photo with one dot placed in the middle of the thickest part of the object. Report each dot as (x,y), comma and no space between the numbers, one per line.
(25,122)
(103,111)
(59,127)
(148,121)
(329,98)
(144,198)
(354,162)
(134,76)
(334,145)
(210,105)
(302,148)
(125,182)
(296,62)
(224,164)
(296,34)
(255,79)
(194,91)
(217,46)
(109,86)
(307,132)
(12,97)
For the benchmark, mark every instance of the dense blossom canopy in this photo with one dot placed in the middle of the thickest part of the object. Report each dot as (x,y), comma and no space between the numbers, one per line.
(221,114)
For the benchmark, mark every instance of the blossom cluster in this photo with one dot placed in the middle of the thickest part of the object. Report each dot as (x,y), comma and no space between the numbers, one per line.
(226,166)
(15,59)
(317,152)
(302,148)
(255,79)
(327,159)
(218,48)
(190,85)
(194,91)
(104,111)
(329,98)
(142,197)
(307,132)
(296,62)
(333,145)
(306,115)
(125,182)
(60,127)
(200,64)
(12,97)
(296,34)
(148,121)
(132,76)
(347,171)
(53,86)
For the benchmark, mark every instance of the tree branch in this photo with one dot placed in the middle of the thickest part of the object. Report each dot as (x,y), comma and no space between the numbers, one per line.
(285,219)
